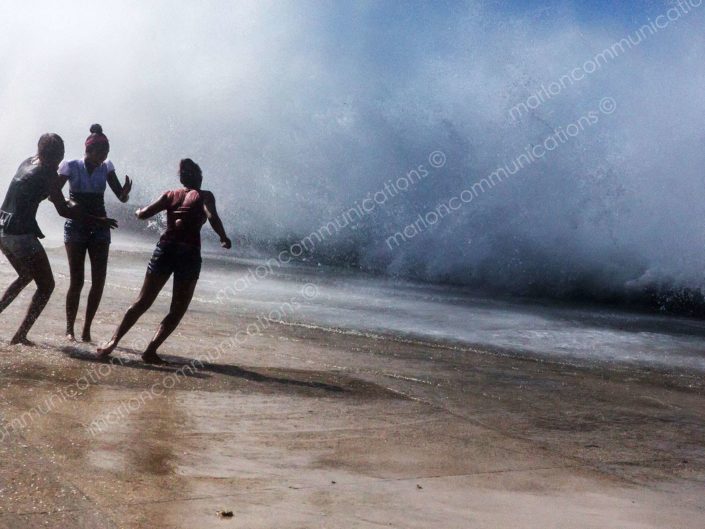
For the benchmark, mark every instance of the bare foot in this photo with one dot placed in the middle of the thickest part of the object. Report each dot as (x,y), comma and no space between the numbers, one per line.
(153,358)
(21,340)
(70,337)
(106,349)
(86,337)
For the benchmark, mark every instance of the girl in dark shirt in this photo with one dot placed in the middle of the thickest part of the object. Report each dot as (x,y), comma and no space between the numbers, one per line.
(36,179)
(178,252)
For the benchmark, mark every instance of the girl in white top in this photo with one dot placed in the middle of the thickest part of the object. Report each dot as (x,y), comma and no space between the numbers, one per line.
(88,179)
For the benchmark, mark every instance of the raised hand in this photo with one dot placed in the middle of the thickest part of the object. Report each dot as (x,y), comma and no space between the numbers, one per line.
(126,188)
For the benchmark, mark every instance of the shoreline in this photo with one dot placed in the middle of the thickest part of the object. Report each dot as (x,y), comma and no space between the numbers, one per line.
(648,299)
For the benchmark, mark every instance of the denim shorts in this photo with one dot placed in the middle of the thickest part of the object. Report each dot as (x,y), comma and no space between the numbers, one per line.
(183,260)
(85,233)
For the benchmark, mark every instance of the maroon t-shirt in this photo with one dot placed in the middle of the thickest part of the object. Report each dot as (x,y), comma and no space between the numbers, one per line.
(185,216)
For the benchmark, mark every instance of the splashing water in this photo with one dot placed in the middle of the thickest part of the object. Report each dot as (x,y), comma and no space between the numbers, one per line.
(298,111)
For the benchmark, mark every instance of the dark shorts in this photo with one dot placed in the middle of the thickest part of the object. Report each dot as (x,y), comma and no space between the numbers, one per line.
(82,233)
(183,260)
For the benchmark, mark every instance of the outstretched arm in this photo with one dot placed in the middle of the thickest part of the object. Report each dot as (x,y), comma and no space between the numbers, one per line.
(214,219)
(57,198)
(155,207)
(122,191)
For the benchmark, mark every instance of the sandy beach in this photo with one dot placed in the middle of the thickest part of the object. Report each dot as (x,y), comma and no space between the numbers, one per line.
(300,427)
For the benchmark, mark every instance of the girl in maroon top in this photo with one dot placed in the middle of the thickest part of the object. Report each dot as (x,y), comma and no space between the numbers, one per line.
(178,252)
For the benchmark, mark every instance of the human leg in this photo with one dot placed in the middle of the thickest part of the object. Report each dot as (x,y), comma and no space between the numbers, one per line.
(24,278)
(76,253)
(40,271)
(153,283)
(180,301)
(98,254)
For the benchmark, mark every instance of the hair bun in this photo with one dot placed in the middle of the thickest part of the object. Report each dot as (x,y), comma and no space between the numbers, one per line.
(96,129)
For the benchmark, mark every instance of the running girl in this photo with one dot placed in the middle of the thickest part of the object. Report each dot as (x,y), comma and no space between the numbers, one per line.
(178,251)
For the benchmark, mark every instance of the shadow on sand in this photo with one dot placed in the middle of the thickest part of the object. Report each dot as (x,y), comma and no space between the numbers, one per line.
(195,369)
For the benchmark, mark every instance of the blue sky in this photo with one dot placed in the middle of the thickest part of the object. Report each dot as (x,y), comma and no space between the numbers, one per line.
(589,11)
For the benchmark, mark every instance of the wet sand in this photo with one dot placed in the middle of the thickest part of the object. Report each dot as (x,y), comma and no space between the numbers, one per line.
(300,428)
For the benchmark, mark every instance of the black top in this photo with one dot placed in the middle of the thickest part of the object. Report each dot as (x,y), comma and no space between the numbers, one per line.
(28,188)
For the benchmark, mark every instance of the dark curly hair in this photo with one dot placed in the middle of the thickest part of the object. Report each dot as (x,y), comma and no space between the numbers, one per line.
(50,146)
(190,174)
